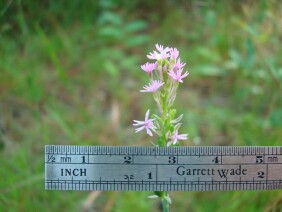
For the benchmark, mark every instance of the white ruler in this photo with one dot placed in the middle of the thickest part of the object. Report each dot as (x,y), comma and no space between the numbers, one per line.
(126,168)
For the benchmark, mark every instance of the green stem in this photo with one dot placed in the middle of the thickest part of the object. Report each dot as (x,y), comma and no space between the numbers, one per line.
(165,205)
(163,139)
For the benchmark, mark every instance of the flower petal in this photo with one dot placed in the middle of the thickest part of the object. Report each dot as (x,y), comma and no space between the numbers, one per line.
(149,132)
(147,115)
(138,123)
(139,129)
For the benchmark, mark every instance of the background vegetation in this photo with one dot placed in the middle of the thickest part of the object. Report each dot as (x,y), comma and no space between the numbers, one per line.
(70,74)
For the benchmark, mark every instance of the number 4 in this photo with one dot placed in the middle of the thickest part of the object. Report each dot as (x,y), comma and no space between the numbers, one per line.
(216,160)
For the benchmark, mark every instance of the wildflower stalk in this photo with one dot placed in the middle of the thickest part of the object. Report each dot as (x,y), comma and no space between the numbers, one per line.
(165,204)
(164,76)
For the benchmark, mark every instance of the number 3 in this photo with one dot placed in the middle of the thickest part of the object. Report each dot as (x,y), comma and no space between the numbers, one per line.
(171,159)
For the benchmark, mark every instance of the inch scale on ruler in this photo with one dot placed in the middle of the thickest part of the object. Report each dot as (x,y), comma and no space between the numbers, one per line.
(125,168)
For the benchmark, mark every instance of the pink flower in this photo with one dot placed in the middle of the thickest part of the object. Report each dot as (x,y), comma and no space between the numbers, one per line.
(161,49)
(175,137)
(173,53)
(147,124)
(152,87)
(161,55)
(149,67)
(177,76)
(178,65)
(157,56)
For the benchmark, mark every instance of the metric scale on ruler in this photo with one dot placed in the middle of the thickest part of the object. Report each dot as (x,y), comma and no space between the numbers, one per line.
(162,168)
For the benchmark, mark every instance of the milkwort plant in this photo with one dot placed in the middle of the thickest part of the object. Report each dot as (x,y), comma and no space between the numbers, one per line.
(165,74)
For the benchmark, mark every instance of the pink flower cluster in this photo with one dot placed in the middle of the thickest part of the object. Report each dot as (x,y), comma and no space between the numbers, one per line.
(167,61)
(165,74)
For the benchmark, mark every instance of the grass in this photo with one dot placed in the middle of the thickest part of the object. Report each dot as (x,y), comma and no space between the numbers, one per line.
(71,80)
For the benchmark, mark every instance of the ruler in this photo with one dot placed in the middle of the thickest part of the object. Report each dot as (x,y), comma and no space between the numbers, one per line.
(126,168)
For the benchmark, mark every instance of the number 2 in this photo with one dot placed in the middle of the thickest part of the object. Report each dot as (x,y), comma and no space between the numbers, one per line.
(127,159)
(261,174)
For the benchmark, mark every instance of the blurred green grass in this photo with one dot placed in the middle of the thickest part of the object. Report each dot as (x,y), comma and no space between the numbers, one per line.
(70,74)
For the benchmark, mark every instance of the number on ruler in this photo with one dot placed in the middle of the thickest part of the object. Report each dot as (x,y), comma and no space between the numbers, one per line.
(83,159)
(128,177)
(261,174)
(259,159)
(216,160)
(171,159)
(150,176)
(127,159)
(51,158)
